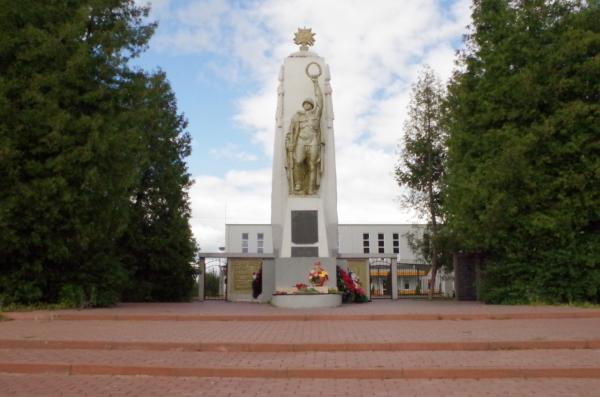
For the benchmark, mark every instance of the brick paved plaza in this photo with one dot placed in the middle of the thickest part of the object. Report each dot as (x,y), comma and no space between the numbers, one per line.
(384,348)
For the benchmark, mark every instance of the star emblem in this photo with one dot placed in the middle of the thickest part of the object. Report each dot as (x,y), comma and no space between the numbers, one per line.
(304,38)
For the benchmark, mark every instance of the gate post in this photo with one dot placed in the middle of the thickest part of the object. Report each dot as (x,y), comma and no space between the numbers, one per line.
(201,271)
(394,276)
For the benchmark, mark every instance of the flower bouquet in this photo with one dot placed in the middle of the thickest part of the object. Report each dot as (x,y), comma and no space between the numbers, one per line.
(349,285)
(318,276)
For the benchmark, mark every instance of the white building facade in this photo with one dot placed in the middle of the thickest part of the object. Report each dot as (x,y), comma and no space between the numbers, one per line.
(382,248)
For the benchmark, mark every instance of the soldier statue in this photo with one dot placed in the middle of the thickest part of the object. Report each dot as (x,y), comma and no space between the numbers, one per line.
(304,143)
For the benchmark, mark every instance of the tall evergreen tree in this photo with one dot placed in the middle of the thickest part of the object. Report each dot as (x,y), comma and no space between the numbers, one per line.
(524,149)
(422,165)
(158,247)
(73,147)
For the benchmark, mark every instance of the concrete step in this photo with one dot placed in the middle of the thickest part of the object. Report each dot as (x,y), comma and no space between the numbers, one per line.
(321,365)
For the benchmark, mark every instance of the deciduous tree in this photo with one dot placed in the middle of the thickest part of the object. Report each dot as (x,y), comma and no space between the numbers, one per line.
(421,166)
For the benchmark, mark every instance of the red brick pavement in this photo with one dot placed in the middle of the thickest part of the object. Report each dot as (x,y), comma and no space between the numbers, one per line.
(145,386)
(304,331)
(392,309)
(589,358)
(144,350)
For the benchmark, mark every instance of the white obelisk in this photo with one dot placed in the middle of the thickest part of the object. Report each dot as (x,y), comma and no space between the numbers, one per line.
(304,225)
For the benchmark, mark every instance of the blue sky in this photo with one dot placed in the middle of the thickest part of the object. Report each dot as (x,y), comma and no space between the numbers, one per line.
(222,59)
(209,104)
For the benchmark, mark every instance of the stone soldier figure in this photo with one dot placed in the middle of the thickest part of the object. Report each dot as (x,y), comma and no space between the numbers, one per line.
(304,143)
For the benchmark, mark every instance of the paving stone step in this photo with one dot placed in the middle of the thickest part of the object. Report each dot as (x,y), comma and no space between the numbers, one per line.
(327,373)
(380,309)
(298,347)
(546,359)
(351,365)
(308,332)
(86,316)
(59,385)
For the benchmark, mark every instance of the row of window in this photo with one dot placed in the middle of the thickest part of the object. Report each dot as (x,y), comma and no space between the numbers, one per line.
(381,243)
(260,242)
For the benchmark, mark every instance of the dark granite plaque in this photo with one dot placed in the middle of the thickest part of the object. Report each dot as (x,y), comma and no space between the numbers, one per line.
(305,252)
(304,227)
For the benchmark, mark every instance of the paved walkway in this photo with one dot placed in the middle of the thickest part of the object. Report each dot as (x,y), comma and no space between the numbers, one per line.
(304,331)
(383,348)
(377,307)
(144,386)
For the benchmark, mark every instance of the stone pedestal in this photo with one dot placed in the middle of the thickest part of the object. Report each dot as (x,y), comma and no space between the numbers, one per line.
(307,301)
(290,271)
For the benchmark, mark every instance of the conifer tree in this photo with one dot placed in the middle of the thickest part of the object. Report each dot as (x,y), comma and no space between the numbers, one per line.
(524,149)
(158,247)
(76,139)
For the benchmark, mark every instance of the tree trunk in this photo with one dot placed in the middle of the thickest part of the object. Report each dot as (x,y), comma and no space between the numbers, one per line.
(432,213)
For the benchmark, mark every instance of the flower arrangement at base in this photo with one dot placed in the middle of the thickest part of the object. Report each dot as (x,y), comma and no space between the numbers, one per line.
(349,286)
(318,276)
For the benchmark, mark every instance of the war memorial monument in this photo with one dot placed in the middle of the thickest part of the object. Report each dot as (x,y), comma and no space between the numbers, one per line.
(304,227)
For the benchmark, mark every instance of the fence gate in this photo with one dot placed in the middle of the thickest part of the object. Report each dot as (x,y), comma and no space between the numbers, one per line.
(215,279)
(381,278)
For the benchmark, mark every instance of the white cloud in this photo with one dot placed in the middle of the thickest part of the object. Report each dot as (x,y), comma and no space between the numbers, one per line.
(374,50)
(231,151)
(238,197)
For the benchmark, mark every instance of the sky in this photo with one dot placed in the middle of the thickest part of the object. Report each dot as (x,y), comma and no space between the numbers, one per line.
(222,58)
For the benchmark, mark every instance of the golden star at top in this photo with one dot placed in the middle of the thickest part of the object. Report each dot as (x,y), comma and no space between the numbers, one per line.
(304,38)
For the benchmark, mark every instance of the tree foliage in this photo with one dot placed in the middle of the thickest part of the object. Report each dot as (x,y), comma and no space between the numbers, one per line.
(157,246)
(524,149)
(73,147)
(422,165)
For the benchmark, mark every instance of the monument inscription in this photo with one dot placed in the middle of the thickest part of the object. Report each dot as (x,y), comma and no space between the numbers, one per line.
(305,252)
(305,227)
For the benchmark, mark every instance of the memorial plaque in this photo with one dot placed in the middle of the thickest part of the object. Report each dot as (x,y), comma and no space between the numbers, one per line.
(304,227)
(241,273)
(305,252)
(360,267)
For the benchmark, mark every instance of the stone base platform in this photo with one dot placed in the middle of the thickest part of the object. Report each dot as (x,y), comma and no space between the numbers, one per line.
(298,301)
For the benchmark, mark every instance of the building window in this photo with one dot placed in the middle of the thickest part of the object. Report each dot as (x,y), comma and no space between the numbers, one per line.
(380,243)
(366,243)
(245,243)
(260,243)
(396,243)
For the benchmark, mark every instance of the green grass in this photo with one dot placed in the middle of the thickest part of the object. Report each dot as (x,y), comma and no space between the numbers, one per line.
(586,305)
(37,306)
